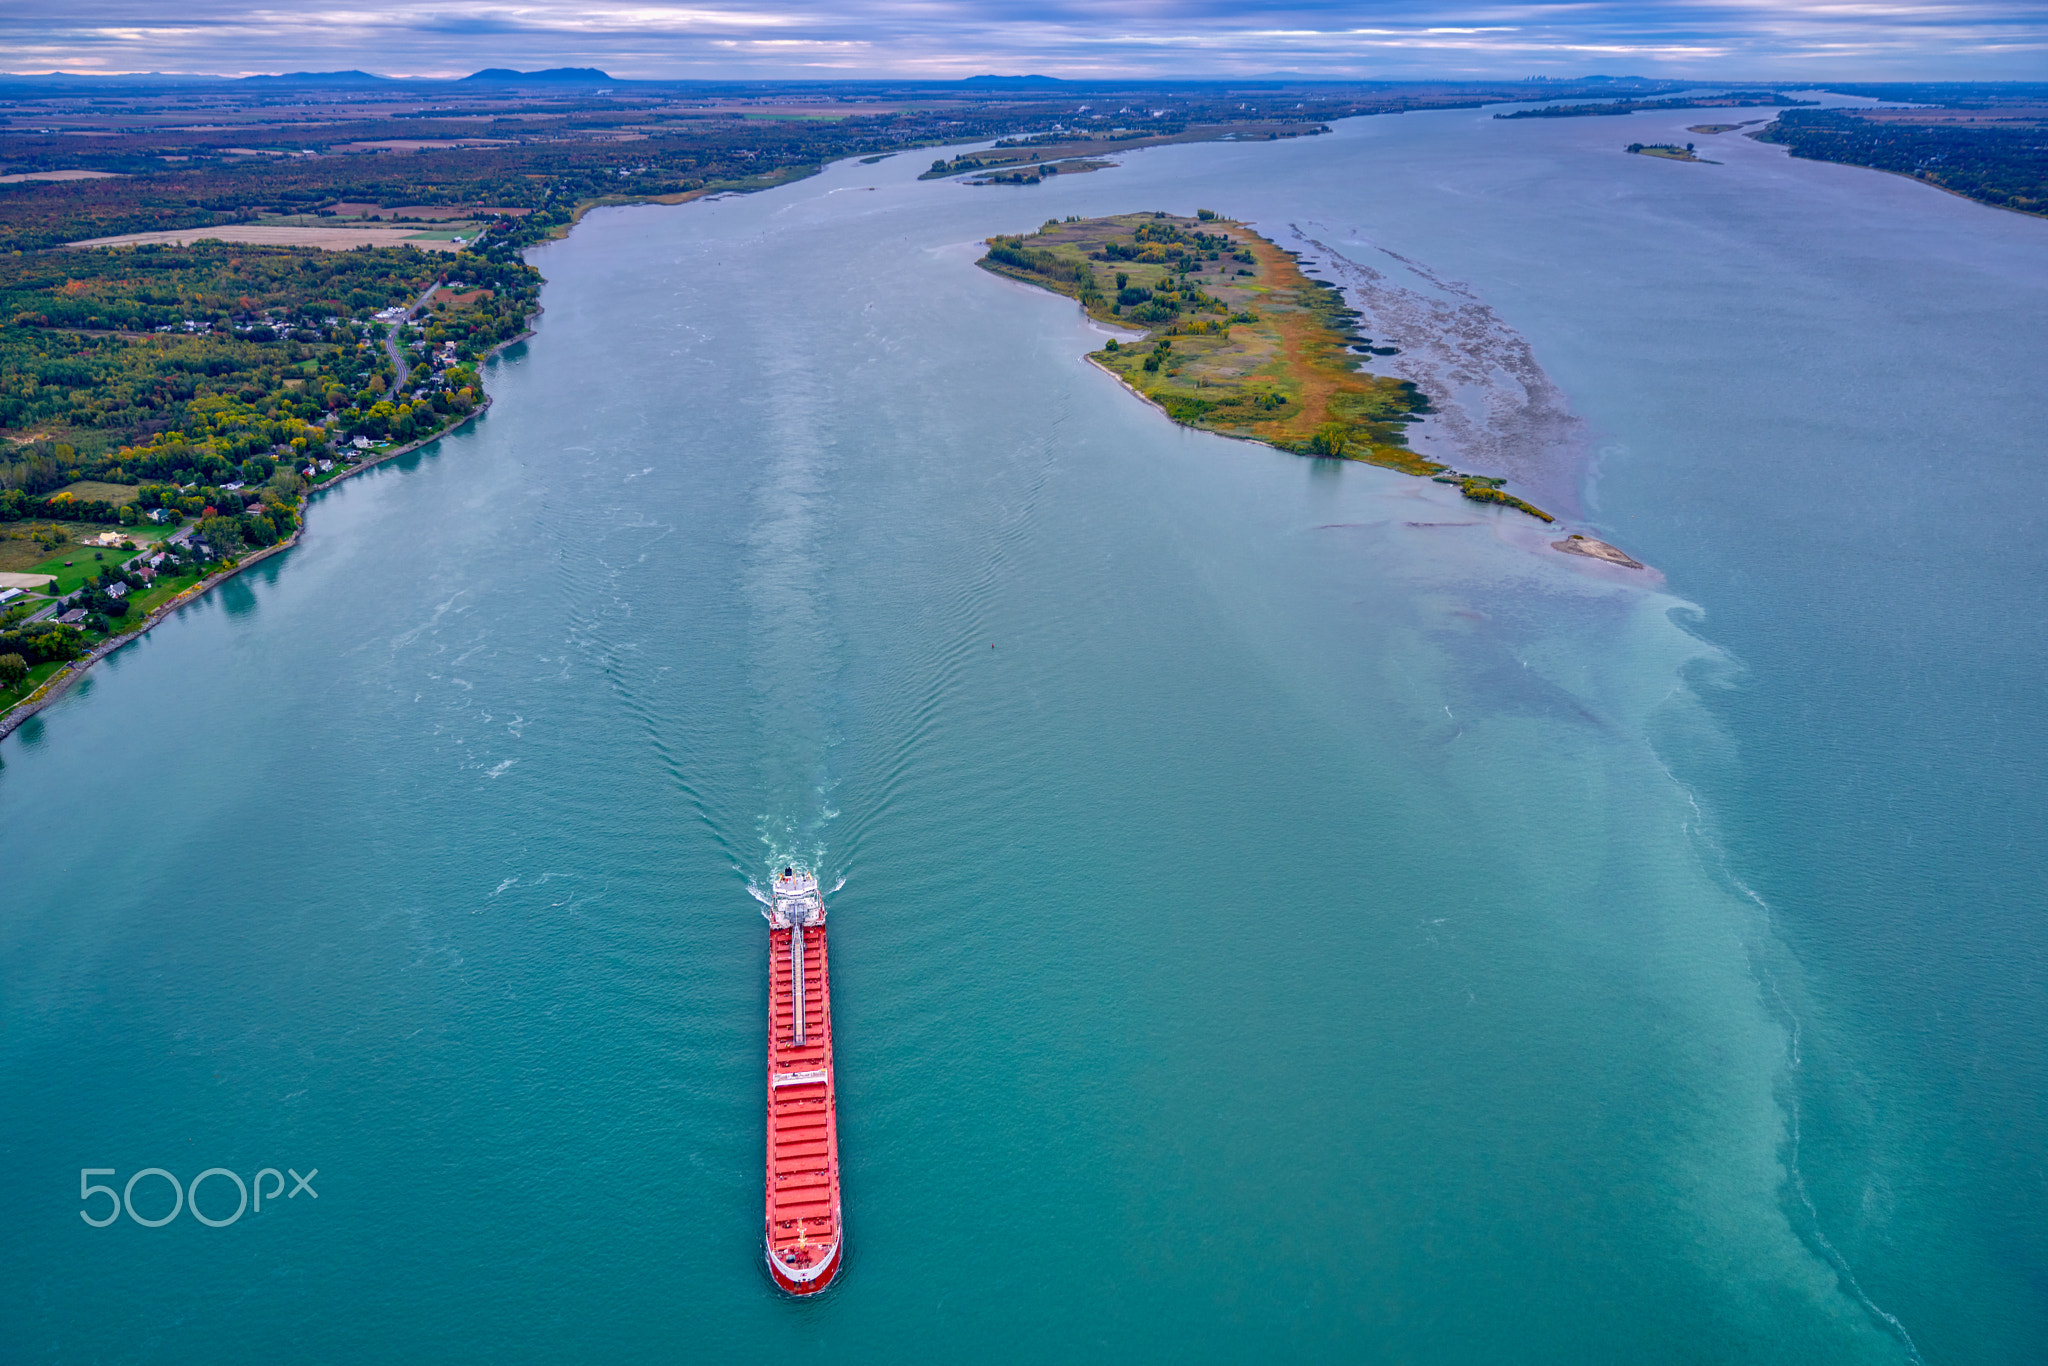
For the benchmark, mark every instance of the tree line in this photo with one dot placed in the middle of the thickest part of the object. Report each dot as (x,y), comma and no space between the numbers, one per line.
(2003,166)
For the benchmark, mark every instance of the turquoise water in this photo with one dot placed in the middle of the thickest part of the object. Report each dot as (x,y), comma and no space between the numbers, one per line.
(1270,929)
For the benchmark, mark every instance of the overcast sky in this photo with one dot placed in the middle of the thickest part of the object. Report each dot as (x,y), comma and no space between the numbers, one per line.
(1789,39)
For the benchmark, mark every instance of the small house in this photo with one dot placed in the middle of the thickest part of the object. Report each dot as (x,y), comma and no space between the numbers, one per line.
(72,617)
(117,590)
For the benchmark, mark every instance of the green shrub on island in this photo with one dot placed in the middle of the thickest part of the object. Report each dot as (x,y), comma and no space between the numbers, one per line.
(1483,490)
(1330,439)
(1190,411)
(1011,252)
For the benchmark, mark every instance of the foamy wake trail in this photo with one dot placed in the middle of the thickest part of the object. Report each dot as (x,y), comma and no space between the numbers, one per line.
(1788,1017)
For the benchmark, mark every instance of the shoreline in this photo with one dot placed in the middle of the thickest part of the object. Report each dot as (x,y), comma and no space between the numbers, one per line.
(1575,543)
(57,684)
(1786,147)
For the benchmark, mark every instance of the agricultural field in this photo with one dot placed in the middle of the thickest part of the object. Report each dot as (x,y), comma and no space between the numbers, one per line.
(288,235)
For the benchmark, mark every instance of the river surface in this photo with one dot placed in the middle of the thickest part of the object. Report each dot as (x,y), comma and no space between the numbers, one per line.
(1287,913)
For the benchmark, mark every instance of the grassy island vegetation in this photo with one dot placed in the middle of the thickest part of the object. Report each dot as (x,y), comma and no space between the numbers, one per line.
(1237,338)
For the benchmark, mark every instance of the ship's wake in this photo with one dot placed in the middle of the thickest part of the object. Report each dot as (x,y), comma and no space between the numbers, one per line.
(794,644)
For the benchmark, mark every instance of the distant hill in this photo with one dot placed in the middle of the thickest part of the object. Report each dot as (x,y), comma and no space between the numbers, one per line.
(124,78)
(321,78)
(558,75)
(1013,80)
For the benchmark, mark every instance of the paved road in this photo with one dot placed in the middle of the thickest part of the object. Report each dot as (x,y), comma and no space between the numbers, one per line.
(391,347)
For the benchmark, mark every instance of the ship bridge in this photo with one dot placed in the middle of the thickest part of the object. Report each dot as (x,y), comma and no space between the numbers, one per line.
(796,900)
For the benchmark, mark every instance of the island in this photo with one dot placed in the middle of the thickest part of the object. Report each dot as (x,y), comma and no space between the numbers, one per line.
(1068,150)
(1235,338)
(1669,151)
(1594,549)
(1734,99)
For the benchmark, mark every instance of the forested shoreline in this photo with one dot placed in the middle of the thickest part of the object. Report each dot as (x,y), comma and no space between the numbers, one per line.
(198,363)
(2002,162)
(188,398)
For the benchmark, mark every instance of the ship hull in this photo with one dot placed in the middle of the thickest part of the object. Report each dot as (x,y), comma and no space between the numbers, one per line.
(804,1238)
(787,1285)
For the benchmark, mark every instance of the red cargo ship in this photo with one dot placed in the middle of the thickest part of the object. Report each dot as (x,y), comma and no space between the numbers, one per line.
(805,1241)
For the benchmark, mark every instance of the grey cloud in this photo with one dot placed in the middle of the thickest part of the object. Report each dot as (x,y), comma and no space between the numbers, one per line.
(1842,39)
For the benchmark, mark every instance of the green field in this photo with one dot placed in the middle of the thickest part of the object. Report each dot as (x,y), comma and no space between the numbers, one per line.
(161,592)
(95,491)
(22,553)
(73,564)
(37,676)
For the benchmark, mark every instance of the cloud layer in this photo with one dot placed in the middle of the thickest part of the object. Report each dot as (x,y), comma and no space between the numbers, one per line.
(1162,39)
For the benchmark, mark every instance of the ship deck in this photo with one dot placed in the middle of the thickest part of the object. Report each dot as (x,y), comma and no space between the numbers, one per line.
(803,1231)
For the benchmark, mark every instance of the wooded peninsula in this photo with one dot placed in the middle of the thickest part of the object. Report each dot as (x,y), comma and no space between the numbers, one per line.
(1238,338)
